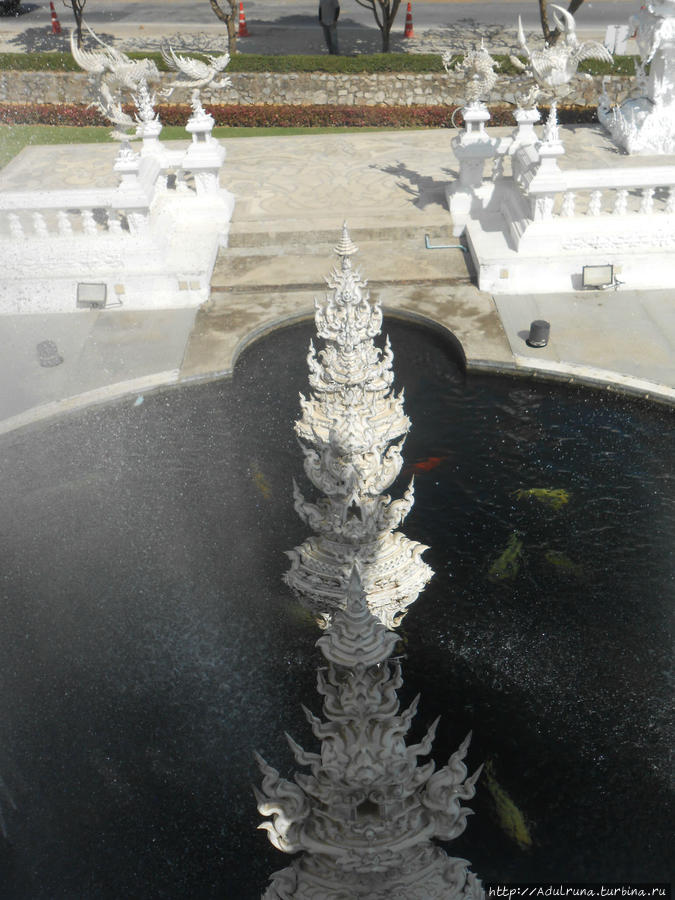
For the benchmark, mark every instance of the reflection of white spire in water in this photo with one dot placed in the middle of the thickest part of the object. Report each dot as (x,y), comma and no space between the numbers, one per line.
(352,430)
(366,816)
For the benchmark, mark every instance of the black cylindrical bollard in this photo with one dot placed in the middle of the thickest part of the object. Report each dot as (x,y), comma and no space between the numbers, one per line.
(48,354)
(539,331)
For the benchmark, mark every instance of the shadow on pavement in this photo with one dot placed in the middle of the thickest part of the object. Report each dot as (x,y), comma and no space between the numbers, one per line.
(422,190)
(7,12)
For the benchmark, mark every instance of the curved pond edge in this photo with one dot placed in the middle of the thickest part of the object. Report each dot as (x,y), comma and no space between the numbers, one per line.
(544,370)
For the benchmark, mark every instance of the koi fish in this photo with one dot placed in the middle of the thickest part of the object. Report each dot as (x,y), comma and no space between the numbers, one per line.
(562,562)
(511,819)
(424,465)
(259,480)
(553,497)
(507,563)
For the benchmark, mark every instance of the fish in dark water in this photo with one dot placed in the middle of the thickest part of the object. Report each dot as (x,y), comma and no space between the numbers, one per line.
(508,562)
(424,465)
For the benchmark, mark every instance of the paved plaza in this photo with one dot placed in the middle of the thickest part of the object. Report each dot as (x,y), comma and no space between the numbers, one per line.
(292,196)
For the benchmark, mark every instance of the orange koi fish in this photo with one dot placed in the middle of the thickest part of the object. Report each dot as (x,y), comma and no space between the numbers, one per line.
(424,465)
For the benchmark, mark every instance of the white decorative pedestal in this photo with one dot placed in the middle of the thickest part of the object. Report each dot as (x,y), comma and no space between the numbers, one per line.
(205,154)
(472,148)
(525,133)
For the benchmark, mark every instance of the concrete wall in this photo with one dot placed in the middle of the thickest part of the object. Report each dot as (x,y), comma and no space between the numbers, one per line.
(299,88)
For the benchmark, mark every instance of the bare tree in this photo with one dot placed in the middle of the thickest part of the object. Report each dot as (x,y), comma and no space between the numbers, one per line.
(229,18)
(385,13)
(551,35)
(77,7)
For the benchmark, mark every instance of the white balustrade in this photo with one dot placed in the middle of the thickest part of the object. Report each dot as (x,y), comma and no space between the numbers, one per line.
(602,192)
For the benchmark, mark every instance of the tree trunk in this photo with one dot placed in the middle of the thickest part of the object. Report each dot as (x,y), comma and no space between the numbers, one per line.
(229,18)
(386,9)
(77,7)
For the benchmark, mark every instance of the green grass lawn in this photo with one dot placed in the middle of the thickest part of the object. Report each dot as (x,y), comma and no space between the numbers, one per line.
(14,138)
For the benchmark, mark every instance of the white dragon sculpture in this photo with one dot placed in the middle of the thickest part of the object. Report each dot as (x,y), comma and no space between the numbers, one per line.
(121,71)
(479,68)
(118,73)
(197,74)
(555,66)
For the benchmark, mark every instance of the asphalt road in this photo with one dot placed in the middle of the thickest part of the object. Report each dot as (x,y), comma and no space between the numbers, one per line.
(303,13)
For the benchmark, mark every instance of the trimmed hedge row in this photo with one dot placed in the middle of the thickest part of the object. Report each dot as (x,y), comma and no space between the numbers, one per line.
(254,62)
(286,116)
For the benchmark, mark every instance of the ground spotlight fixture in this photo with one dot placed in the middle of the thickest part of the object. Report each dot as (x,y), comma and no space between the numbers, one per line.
(597,276)
(91,296)
(539,331)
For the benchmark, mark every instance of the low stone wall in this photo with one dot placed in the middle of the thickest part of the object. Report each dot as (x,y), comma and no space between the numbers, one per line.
(302,88)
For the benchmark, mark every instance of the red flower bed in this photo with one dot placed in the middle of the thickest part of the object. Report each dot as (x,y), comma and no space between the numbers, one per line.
(288,116)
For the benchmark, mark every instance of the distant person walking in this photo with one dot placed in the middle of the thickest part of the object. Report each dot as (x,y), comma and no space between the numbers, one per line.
(329,12)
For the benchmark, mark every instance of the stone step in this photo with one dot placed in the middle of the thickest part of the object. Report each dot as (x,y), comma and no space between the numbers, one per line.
(299,268)
(247,235)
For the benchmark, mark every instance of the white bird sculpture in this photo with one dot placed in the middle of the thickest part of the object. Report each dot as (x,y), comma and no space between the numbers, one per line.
(131,74)
(198,74)
(555,66)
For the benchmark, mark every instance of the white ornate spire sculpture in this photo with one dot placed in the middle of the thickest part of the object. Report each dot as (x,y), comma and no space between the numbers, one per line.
(366,817)
(352,430)
(645,124)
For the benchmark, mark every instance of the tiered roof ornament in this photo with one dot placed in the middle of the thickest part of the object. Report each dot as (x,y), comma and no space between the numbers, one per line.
(352,430)
(366,817)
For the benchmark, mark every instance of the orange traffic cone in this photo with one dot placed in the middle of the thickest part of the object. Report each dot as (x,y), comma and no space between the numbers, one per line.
(243,30)
(56,25)
(408,23)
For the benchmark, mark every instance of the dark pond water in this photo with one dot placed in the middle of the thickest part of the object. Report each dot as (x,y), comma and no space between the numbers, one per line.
(148,645)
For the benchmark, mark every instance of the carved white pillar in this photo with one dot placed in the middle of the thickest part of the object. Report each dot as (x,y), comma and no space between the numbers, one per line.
(88,222)
(15,226)
(40,225)
(568,203)
(620,202)
(114,222)
(670,199)
(64,224)
(647,200)
(595,203)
